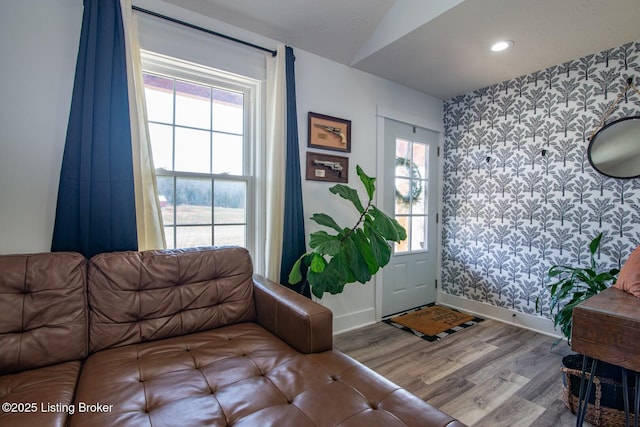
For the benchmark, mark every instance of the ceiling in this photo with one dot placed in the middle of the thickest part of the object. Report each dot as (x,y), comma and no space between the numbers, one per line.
(439,47)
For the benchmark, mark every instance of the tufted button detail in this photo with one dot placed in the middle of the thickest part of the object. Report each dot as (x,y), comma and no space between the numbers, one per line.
(334,378)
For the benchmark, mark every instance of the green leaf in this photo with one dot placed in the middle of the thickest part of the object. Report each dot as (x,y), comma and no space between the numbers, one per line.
(357,264)
(295,276)
(340,273)
(367,181)
(318,263)
(343,262)
(324,243)
(362,243)
(379,246)
(326,220)
(387,227)
(557,270)
(317,291)
(348,193)
(332,279)
(593,246)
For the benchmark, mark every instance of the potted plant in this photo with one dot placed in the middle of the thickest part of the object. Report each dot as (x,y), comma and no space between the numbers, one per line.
(569,287)
(572,285)
(348,254)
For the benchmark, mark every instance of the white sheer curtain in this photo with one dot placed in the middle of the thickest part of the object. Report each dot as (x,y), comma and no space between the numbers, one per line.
(148,214)
(275,162)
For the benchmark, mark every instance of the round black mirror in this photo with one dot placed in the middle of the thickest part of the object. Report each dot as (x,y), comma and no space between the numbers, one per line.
(615,149)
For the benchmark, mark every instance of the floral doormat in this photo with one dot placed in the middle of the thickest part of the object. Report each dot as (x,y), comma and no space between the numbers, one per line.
(431,322)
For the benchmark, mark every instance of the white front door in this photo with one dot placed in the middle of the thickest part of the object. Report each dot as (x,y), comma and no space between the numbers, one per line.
(410,180)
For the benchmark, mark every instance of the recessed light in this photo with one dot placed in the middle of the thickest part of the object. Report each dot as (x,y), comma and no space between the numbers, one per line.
(502,45)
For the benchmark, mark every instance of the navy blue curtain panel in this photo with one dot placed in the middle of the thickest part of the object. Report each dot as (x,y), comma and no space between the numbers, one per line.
(293,243)
(96,202)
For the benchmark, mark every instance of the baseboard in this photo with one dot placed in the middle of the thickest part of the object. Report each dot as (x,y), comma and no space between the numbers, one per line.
(355,320)
(512,317)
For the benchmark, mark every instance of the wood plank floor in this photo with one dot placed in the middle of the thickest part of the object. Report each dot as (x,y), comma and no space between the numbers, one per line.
(491,374)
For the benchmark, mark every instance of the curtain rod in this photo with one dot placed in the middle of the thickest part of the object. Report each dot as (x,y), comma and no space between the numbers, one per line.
(205,30)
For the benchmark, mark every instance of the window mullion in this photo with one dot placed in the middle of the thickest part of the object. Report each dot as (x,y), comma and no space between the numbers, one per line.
(213,211)
(173,165)
(175,211)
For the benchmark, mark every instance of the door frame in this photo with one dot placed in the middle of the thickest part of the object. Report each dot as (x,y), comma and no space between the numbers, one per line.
(383,113)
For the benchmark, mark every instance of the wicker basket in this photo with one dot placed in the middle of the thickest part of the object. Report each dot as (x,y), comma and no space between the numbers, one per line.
(602,410)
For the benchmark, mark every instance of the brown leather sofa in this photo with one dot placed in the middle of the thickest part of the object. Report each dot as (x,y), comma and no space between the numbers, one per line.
(178,338)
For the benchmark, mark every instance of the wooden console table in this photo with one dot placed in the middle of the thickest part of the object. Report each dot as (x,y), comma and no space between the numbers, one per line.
(606,327)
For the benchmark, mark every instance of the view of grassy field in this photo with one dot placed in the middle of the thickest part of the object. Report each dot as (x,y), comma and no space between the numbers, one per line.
(192,226)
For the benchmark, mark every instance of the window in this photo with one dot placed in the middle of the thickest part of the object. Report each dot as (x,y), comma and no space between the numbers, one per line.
(411,186)
(202,131)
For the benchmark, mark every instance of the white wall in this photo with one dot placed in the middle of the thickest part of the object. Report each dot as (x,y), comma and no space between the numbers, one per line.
(38,47)
(38,44)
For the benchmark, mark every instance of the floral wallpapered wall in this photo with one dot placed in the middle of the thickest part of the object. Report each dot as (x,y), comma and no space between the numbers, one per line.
(519,192)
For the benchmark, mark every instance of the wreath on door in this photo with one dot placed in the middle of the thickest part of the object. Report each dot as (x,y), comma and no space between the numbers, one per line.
(414,189)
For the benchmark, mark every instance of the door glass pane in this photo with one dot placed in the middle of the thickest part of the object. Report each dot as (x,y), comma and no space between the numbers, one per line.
(402,207)
(193,105)
(228,151)
(404,245)
(229,202)
(419,204)
(193,201)
(228,111)
(229,235)
(158,92)
(418,235)
(193,236)
(420,160)
(403,196)
(193,150)
(403,157)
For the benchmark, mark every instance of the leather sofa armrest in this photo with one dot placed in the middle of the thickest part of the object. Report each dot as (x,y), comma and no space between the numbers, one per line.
(302,323)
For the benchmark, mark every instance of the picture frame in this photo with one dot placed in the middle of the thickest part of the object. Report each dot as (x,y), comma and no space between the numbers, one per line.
(328,168)
(329,133)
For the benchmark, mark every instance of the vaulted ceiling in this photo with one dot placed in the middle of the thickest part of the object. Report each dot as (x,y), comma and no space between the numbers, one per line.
(439,47)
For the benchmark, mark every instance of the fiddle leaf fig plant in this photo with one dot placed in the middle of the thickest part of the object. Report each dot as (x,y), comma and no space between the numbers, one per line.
(571,285)
(345,255)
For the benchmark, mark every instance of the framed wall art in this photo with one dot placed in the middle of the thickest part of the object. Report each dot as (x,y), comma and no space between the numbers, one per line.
(324,167)
(329,133)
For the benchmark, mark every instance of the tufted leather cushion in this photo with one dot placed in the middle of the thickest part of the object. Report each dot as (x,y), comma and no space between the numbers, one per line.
(144,296)
(241,375)
(50,385)
(43,304)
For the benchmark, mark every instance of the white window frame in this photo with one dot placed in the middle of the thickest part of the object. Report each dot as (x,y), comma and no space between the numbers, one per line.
(252,91)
